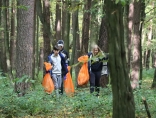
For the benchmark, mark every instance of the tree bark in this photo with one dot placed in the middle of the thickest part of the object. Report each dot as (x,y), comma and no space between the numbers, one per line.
(86,24)
(136,47)
(94,24)
(103,44)
(45,20)
(3,39)
(24,50)
(154,80)
(76,41)
(58,24)
(12,38)
(121,88)
(66,28)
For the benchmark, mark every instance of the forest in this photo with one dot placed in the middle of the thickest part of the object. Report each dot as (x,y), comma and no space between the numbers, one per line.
(123,29)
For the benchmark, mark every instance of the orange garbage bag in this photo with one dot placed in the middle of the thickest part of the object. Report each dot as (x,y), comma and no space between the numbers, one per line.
(83,75)
(48,66)
(47,83)
(68,83)
(83,58)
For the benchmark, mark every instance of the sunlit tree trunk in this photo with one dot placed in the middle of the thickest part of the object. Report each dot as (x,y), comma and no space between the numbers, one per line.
(123,99)
(130,32)
(136,46)
(148,43)
(24,45)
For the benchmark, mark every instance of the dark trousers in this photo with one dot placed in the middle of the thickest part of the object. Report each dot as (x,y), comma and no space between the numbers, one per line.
(95,81)
(61,89)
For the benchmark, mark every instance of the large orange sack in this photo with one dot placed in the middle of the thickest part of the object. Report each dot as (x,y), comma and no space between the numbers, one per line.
(68,83)
(47,83)
(83,75)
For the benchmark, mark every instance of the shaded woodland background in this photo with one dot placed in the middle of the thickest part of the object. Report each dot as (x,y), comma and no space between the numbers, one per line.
(123,29)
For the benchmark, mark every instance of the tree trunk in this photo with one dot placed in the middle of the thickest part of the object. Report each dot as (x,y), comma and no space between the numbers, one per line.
(154,80)
(123,99)
(94,24)
(12,38)
(58,25)
(3,39)
(136,47)
(154,58)
(148,50)
(103,44)
(46,29)
(141,27)
(85,29)
(37,43)
(24,50)
(66,32)
(41,59)
(76,41)
(130,32)
(45,20)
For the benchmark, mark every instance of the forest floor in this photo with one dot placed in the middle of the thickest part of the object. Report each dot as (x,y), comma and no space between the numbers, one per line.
(38,104)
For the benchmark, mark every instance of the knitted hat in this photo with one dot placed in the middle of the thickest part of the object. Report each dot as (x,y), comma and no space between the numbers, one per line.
(60,43)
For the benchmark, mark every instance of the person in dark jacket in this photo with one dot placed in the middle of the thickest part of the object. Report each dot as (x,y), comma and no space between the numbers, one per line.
(95,65)
(65,55)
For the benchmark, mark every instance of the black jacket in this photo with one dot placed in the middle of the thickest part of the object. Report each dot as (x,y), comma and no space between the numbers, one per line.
(95,64)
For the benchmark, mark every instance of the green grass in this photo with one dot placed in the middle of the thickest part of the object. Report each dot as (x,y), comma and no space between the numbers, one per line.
(39,104)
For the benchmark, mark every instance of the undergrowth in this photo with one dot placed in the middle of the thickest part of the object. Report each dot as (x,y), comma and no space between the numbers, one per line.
(82,105)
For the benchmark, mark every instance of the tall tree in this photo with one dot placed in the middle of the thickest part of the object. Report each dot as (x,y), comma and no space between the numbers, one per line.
(24,44)
(46,28)
(66,24)
(136,46)
(58,23)
(103,44)
(94,24)
(12,37)
(154,80)
(123,99)
(3,37)
(86,24)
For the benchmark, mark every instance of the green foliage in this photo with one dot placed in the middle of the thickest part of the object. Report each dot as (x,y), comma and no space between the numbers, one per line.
(23,7)
(25,79)
(123,2)
(83,104)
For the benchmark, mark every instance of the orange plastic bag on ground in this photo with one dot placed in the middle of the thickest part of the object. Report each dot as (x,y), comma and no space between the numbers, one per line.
(83,75)
(47,83)
(48,66)
(68,83)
